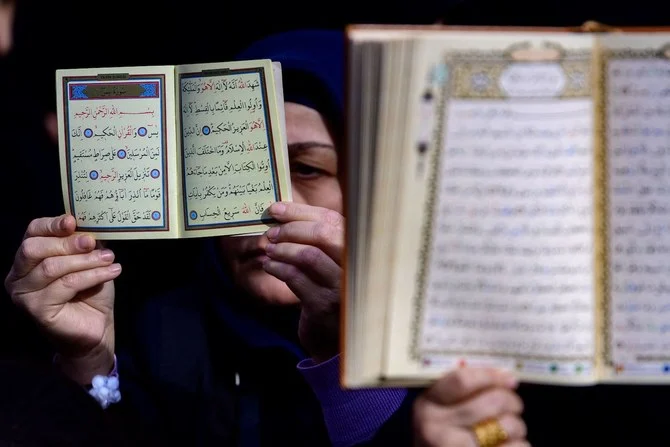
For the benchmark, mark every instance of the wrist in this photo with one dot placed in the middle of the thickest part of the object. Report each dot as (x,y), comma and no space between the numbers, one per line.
(320,345)
(82,368)
(322,358)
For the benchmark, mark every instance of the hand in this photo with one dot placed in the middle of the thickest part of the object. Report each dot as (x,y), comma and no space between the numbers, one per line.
(305,252)
(7,12)
(445,414)
(65,282)
(51,126)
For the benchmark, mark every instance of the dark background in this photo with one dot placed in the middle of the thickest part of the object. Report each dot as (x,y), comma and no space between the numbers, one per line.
(75,34)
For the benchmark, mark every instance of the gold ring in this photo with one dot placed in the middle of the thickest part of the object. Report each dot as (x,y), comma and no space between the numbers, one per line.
(490,433)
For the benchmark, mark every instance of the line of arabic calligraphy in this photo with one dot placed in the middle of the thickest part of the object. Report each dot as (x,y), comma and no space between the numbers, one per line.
(502,190)
(539,151)
(118,194)
(120,132)
(462,303)
(212,108)
(642,229)
(230,190)
(619,68)
(111,154)
(512,211)
(224,148)
(436,340)
(228,168)
(527,131)
(114,175)
(105,111)
(637,111)
(117,215)
(228,214)
(514,324)
(234,128)
(222,84)
(488,248)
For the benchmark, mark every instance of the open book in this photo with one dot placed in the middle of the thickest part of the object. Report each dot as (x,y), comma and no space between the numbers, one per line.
(172,151)
(508,203)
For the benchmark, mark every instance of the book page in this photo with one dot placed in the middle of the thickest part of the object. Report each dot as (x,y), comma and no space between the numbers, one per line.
(637,111)
(234,162)
(117,150)
(505,272)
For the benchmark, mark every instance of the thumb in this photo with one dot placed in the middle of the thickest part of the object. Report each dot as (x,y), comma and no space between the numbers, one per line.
(462,383)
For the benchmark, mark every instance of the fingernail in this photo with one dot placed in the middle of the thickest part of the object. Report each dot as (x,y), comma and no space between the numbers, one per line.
(114,268)
(272,233)
(62,225)
(85,242)
(277,208)
(269,248)
(106,255)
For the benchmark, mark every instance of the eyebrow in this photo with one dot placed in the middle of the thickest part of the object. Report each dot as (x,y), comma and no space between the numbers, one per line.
(303,146)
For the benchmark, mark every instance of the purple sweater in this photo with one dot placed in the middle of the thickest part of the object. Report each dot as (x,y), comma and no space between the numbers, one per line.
(351,416)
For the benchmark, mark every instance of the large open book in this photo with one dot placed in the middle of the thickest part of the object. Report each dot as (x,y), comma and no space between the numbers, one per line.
(508,202)
(172,151)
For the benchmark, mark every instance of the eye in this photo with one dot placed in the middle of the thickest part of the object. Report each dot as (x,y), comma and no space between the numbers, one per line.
(303,170)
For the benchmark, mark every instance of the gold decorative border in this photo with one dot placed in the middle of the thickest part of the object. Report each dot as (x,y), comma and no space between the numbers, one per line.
(427,231)
(605,303)
(635,53)
(509,55)
(601,207)
(490,71)
(452,61)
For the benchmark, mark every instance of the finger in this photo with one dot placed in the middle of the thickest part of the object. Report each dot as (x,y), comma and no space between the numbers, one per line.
(447,436)
(516,444)
(292,211)
(51,125)
(304,288)
(310,260)
(514,426)
(66,287)
(463,382)
(55,267)
(35,249)
(488,404)
(51,226)
(321,234)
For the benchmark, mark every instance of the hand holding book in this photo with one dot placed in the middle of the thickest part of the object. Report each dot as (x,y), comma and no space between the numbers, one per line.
(470,407)
(305,252)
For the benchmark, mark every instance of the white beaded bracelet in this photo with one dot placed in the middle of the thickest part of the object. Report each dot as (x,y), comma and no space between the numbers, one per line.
(105,389)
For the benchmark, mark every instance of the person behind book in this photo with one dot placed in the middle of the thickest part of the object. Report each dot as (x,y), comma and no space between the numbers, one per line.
(215,363)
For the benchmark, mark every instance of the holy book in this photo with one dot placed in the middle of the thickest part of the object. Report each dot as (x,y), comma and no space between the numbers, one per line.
(508,205)
(172,151)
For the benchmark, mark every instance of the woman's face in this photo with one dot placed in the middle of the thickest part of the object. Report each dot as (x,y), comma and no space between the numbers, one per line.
(315,182)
